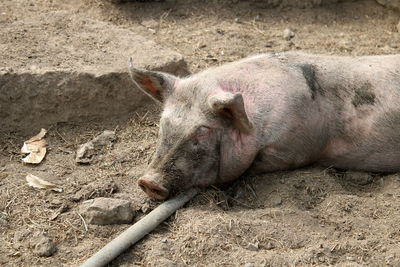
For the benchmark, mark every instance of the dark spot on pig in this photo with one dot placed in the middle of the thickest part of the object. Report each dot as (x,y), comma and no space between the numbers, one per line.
(363,96)
(308,71)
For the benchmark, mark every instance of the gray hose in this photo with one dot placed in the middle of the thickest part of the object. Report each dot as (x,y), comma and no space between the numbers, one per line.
(137,231)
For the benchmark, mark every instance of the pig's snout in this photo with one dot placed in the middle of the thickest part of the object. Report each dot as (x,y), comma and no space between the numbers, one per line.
(153,189)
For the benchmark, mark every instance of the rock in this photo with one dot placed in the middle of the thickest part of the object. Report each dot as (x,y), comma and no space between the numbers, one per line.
(21,235)
(252,246)
(288,34)
(237,20)
(276,200)
(103,211)
(3,221)
(44,246)
(270,246)
(77,77)
(86,152)
(150,23)
(20,238)
(103,188)
(359,178)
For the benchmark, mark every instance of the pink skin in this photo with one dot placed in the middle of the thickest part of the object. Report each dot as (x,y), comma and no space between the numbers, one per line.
(294,109)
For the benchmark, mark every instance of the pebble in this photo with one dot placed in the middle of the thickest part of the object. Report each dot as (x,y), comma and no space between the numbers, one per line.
(248,265)
(44,246)
(360,236)
(3,221)
(276,200)
(151,23)
(389,259)
(88,151)
(104,210)
(253,247)
(288,34)
(270,246)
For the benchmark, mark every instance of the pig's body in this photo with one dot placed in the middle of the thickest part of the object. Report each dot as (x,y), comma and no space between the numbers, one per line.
(296,109)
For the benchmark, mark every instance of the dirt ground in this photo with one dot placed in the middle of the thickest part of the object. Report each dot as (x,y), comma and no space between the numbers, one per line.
(311,216)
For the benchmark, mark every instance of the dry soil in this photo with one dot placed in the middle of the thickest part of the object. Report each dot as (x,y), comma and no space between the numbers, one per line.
(306,217)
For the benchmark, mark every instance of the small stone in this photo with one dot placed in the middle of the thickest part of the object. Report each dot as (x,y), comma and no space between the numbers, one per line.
(96,189)
(237,20)
(390,259)
(288,34)
(270,246)
(103,211)
(360,236)
(253,247)
(248,265)
(151,23)
(276,200)
(21,235)
(3,221)
(88,151)
(164,240)
(44,246)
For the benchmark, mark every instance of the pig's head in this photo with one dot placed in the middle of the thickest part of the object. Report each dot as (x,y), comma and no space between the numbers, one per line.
(195,118)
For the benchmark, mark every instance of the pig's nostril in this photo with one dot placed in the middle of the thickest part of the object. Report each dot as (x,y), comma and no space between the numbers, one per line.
(153,190)
(142,187)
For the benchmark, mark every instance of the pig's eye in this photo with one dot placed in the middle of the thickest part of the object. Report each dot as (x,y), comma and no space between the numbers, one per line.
(202,132)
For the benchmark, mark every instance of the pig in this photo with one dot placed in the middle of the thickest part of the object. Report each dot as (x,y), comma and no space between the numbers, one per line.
(271,112)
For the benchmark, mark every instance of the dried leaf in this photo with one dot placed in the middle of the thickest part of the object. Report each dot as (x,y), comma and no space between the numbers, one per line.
(35,147)
(37,137)
(36,182)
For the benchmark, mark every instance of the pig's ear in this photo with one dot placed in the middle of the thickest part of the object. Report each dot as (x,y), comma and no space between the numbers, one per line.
(157,85)
(231,106)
